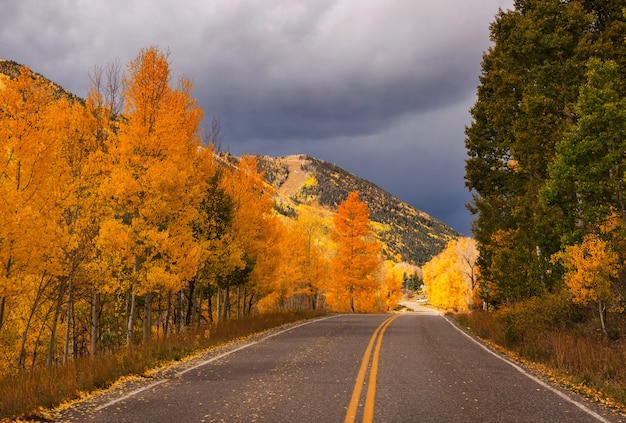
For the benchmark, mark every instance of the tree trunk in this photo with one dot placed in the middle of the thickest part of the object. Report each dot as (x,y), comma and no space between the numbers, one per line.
(147,318)
(226,307)
(250,303)
(217,315)
(131,320)
(2,303)
(166,324)
(210,311)
(177,307)
(44,326)
(243,301)
(22,355)
(95,324)
(180,305)
(602,311)
(238,302)
(68,349)
(55,321)
(199,309)
(190,302)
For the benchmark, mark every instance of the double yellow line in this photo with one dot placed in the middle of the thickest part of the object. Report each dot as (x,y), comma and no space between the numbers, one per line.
(368,412)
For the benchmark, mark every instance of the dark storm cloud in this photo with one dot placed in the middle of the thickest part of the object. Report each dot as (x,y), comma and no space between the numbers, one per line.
(349,107)
(380,87)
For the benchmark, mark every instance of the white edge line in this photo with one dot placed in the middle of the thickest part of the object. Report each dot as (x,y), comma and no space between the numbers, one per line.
(130,394)
(210,360)
(530,376)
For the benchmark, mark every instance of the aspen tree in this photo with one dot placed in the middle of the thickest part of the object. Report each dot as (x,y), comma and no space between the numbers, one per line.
(31,186)
(591,270)
(357,254)
(156,181)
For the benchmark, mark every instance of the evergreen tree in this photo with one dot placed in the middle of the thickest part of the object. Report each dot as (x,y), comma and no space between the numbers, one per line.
(525,102)
(587,177)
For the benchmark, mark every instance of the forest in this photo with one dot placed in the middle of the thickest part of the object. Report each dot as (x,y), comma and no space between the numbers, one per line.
(122,226)
(546,153)
(546,166)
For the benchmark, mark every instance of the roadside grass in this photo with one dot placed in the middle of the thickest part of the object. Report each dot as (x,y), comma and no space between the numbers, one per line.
(28,395)
(574,354)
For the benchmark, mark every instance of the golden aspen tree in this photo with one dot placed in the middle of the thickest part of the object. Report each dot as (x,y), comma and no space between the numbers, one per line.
(302,268)
(315,263)
(591,268)
(103,107)
(391,285)
(256,231)
(466,252)
(156,180)
(283,290)
(357,253)
(31,184)
(449,277)
(73,244)
(23,176)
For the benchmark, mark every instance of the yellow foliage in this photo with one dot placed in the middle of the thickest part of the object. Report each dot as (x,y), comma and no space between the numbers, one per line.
(449,278)
(590,269)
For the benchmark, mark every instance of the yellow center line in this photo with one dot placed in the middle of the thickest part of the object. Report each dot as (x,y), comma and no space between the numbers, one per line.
(358,386)
(368,414)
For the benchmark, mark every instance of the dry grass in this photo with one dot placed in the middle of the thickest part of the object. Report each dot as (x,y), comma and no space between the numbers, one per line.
(576,355)
(28,394)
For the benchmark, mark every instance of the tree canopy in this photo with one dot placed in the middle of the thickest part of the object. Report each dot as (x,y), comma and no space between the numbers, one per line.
(545,146)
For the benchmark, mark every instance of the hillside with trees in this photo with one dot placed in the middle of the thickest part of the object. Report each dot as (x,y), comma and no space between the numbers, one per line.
(406,234)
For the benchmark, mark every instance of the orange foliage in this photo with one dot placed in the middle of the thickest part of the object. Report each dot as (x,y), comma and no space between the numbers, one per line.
(591,268)
(356,260)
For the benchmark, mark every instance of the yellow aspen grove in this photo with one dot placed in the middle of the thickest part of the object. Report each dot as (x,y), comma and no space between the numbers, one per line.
(303,266)
(314,265)
(449,277)
(391,284)
(26,177)
(78,216)
(256,231)
(356,258)
(156,181)
(33,185)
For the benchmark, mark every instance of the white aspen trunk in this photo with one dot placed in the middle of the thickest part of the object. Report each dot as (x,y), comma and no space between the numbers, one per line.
(95,324)
(147,318)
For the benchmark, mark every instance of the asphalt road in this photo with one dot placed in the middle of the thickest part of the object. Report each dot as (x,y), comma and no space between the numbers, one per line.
(414,367)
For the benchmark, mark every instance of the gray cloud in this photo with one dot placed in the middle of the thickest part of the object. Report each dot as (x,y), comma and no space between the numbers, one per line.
(380,87)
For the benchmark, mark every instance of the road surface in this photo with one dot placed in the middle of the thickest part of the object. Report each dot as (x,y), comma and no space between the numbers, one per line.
(413,367)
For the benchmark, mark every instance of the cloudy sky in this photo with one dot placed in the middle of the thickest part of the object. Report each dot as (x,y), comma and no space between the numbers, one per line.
(381,88)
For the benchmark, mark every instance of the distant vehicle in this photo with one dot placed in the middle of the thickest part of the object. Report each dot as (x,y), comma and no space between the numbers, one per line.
(421,300)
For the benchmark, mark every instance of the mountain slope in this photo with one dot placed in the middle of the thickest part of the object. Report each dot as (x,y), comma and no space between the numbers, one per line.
(403,230)
(11,69)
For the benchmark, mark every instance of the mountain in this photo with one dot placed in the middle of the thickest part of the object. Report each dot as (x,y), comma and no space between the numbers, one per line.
(11,69)
(402,229)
